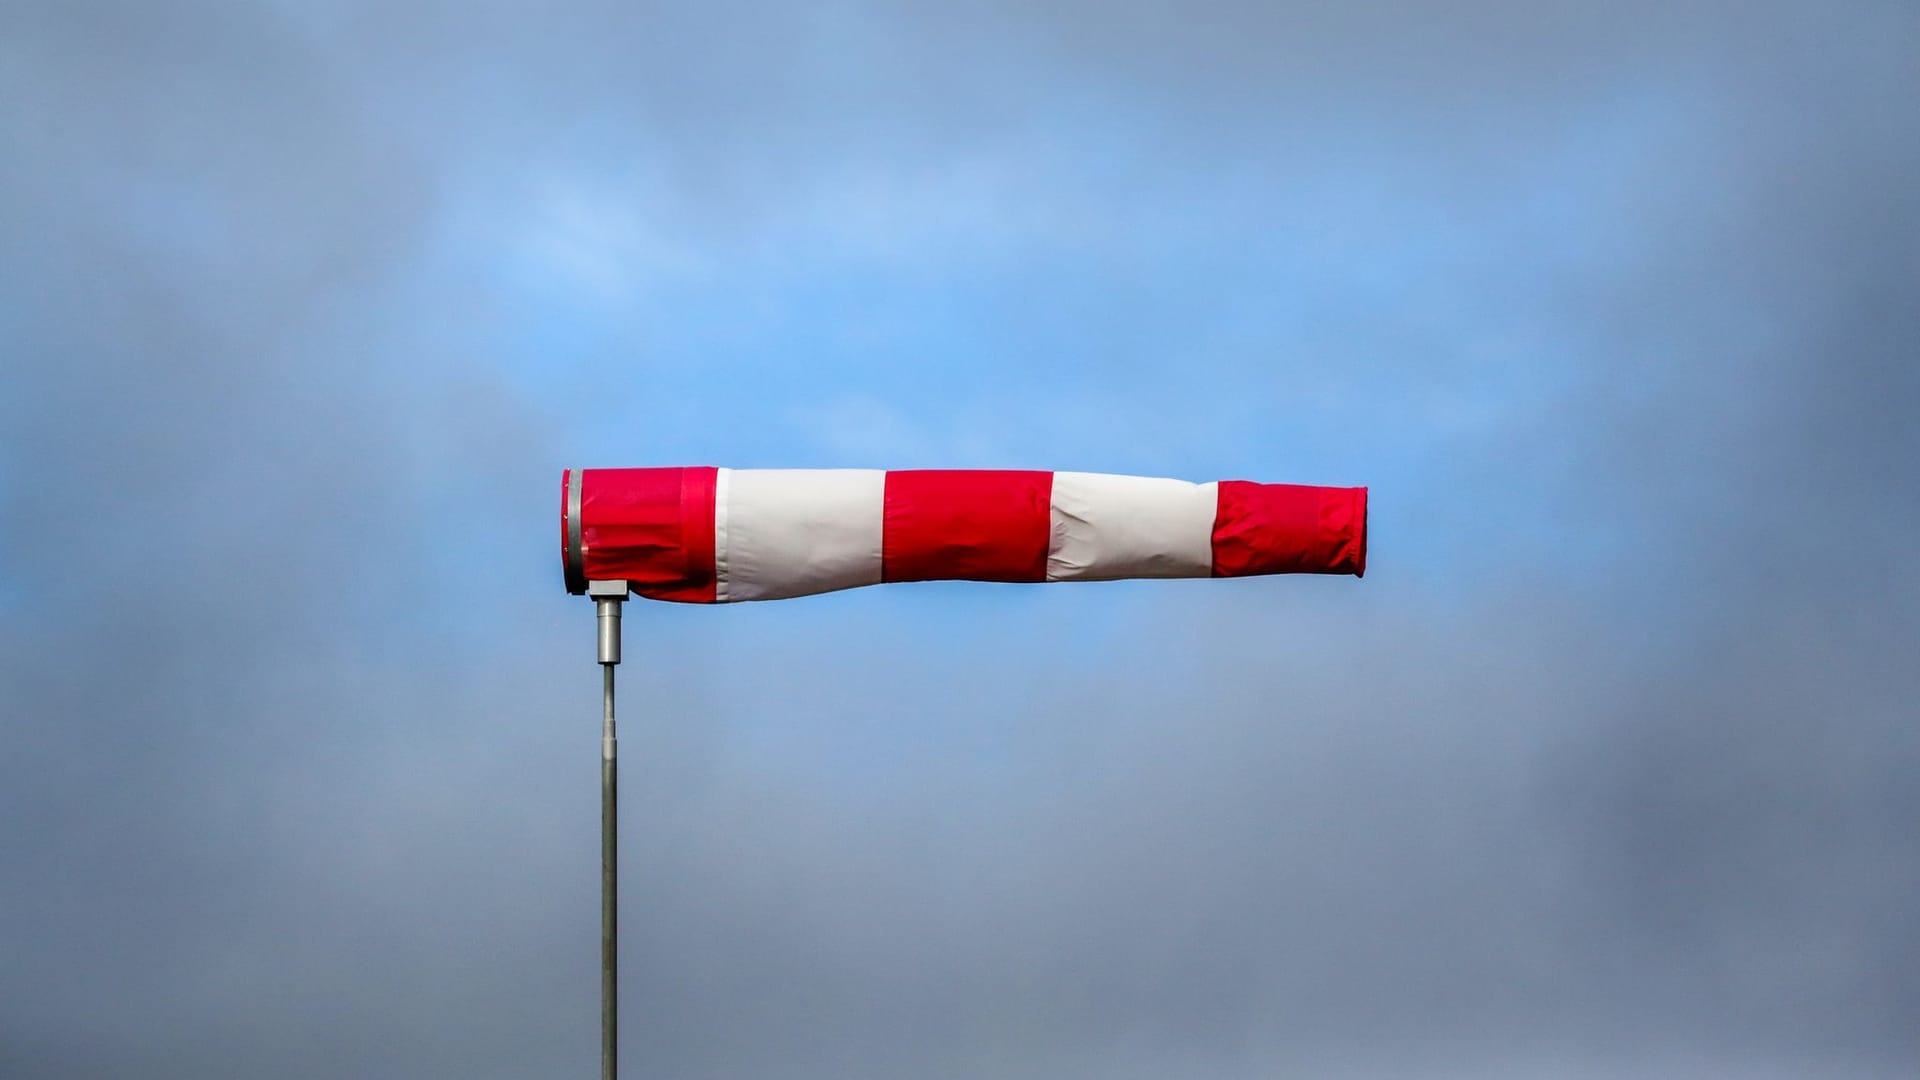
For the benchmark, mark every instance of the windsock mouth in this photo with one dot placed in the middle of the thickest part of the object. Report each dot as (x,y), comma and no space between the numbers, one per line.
(572,562)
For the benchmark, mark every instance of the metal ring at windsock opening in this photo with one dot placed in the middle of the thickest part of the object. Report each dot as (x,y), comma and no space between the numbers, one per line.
(572,560)
(707,535)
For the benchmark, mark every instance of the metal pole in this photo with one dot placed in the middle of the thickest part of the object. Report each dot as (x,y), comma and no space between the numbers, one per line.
(607,598)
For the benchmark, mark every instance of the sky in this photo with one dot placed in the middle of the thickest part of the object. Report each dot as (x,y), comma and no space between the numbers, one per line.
(1604,770)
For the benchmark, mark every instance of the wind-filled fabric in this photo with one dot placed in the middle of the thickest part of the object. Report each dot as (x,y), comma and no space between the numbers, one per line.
(711,535)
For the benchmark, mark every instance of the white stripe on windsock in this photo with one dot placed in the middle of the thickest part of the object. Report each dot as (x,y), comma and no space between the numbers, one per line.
(793,532)
(1107,527)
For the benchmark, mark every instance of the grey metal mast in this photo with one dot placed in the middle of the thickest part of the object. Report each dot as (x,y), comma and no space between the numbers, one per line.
(607,598)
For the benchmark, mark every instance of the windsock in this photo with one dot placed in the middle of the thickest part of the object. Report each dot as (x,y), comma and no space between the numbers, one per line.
(712,536)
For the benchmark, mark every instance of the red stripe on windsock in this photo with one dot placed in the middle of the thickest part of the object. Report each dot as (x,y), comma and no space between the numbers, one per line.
(966,524)
(651,527)
(1289,529)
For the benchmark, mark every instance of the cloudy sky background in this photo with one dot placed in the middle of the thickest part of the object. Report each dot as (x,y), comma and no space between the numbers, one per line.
(1605,770)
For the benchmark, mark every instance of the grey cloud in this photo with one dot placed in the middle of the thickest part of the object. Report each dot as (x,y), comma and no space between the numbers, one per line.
(283,795)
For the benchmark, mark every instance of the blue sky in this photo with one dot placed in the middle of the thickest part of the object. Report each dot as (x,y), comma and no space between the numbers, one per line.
(1603,770)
